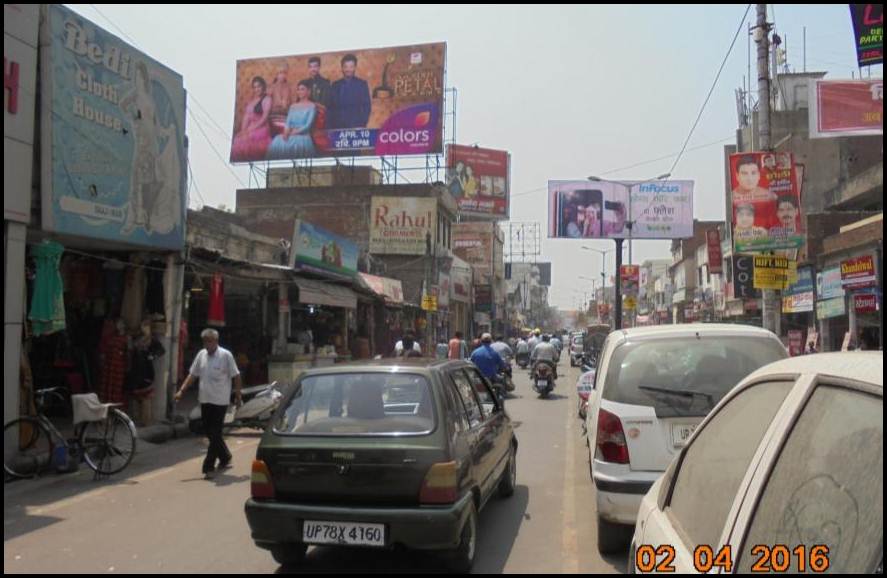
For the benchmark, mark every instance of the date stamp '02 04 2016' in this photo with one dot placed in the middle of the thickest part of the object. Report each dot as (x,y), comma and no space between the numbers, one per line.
(777,559)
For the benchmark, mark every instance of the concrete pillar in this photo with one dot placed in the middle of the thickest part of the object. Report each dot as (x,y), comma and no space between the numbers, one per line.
(14,315)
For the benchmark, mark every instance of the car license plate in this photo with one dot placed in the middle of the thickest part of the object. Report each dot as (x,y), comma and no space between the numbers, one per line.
(681,433)
(541,382)
(343,533)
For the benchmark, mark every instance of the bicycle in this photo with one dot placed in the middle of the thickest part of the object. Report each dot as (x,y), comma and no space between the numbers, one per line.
(107,445)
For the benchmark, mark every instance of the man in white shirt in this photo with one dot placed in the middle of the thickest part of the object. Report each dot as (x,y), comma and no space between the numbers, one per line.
(215,367)
(408,343)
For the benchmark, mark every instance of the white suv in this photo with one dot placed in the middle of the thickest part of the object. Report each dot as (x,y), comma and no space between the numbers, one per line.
(654,385)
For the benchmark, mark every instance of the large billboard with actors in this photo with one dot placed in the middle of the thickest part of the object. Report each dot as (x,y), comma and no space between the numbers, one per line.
(478,179)
(112,137)
(374,102)
(766,202)
(607,209)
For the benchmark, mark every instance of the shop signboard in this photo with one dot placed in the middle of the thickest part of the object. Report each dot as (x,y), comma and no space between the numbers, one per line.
(830,308)
(478,179)
(828,283)
(743,278)
(602,209)
(473,243)
(715,256)
(401,225)
(773,272)
(858,273)
(319,251)
(483,298)
(429,302)
(798,298)
(365,102)
(112,137)
(868,30)
(865,303)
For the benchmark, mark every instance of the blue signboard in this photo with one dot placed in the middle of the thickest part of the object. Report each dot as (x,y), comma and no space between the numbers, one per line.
(114,165)
(318,250)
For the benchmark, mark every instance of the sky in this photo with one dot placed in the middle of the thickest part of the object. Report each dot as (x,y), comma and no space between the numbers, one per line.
(570,91)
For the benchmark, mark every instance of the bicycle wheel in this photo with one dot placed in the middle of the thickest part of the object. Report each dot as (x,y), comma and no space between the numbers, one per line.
(27,447)
(109,445)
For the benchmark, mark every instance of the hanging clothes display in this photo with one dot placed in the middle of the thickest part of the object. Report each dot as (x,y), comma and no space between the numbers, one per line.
(154,293)
(134,296)
(216,315)
(114,350)
(48,303)
(115,280)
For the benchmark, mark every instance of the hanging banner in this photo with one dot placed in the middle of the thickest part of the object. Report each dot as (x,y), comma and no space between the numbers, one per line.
(743,278)
(715,257)
(766,202)
(630,279)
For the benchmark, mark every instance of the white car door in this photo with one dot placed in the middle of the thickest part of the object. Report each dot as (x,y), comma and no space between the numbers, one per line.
(689,507)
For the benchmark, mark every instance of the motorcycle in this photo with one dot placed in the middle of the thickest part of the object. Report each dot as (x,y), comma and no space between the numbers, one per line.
(259,404)
(507,375)
(543,378)
(523,359)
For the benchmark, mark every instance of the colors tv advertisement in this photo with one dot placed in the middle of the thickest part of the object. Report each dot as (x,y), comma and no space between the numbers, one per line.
(371,102)
(478,179)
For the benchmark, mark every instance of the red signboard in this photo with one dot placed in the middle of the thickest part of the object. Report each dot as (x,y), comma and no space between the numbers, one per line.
(865,303)
(478,179)
(631,275)
(715,257)
(847,108)
(858,273)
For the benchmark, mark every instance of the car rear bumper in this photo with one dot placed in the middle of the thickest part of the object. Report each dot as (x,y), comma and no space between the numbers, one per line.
(421,528)
(618,499)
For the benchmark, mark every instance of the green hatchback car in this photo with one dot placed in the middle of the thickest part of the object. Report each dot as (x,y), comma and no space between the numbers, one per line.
(388,453)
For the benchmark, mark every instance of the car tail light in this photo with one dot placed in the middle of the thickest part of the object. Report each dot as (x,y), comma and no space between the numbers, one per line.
(441,484)
(260,481)
(611,443)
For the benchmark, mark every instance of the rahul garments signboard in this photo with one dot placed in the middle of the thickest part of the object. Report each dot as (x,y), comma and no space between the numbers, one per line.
(402,225)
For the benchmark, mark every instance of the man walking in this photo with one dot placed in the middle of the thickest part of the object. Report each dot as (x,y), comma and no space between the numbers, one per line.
(458,349)
(215,367)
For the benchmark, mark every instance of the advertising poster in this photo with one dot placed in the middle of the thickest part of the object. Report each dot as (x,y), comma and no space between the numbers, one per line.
(846,108)
(743,278)
(868,30)
(766,202)
(400,225)
(367,102)
(318,250)
(473,243)
(715,256)
(479,180)
(858,273)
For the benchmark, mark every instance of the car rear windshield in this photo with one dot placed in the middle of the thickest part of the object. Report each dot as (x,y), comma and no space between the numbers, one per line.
(685,376)
(361,404)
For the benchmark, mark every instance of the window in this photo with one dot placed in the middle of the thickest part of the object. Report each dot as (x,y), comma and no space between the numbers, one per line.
(468,397)
(360,404)
(487,399)
(828,486)
(457,409)
(715,463)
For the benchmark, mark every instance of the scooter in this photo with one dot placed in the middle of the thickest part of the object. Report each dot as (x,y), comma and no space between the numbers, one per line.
(508,380)
(523,359)
(543,378)
(259,404)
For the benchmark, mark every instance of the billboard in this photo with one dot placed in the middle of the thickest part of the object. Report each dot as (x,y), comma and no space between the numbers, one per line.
(603,209)
(317,250)
(400,225)
(846,108)
(715,255)
(113,137)
(479,180)
(766,202)
(372,102)
(541,272)
(868,29)
(473,243)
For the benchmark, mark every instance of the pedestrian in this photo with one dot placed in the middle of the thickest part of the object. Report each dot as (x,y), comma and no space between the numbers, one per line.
(458,349)
(408,343)
(215,367)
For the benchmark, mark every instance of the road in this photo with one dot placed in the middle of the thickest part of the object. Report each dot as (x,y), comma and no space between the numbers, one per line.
(163,517)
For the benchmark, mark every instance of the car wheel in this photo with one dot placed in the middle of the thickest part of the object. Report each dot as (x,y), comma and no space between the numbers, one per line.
(289,554)
(460,560)
(612,538)
(509,476)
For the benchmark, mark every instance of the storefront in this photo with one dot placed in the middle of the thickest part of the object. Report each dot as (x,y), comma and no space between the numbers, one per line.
(381,314)
(798,308)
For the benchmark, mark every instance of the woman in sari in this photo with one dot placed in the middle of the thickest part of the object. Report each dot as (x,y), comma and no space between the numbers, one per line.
(296,141)
(251,143)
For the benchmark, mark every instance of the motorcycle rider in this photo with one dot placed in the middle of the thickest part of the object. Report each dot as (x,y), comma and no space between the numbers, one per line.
(487,359)
(535,340)
(502,348)
(545,352)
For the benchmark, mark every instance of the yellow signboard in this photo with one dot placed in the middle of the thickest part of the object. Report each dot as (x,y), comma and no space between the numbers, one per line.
(630,303)
(772,272)
(429,302)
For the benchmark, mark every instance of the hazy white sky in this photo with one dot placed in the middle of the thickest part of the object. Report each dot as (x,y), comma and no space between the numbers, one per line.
(571,91)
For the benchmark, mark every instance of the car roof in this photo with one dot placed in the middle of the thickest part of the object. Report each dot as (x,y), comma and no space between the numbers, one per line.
(390,365)
(862,366)
(691,329)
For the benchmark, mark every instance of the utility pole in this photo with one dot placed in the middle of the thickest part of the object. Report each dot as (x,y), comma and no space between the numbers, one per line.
(772,304)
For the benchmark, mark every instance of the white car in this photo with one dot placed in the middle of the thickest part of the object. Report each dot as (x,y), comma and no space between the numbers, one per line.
(786,474)
(654,385)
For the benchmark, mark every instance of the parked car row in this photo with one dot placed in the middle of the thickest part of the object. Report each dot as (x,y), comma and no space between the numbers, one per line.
(383,454)
(706,436)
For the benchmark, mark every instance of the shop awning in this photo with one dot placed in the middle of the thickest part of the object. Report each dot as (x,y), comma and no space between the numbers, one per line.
(389,289)
(313,292)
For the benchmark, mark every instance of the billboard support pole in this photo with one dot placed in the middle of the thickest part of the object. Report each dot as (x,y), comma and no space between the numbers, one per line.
(618,296)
